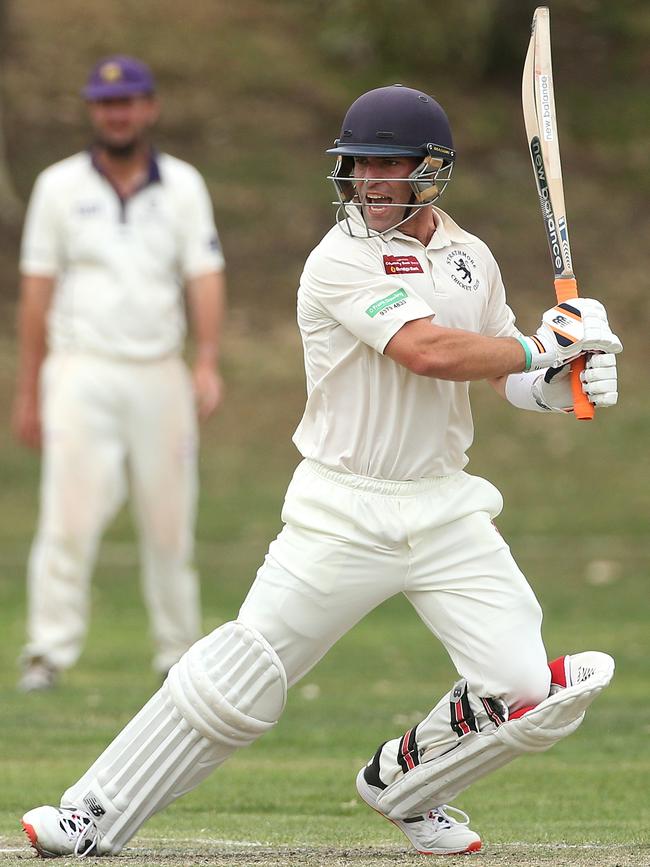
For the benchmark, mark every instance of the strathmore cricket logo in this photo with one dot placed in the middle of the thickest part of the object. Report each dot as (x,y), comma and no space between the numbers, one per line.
(94,806)
(462,269)
(402,265)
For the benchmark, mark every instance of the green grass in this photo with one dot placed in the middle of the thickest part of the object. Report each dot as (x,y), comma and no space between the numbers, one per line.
(253,93)
(587,561)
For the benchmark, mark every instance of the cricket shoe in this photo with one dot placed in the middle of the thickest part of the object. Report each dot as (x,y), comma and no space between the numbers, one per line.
(55,831)
(38,675)
(433,833)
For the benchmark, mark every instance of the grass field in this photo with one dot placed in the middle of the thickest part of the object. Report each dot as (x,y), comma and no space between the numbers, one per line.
(576,517)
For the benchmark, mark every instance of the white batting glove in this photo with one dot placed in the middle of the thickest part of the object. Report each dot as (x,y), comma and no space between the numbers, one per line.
(599,383)
(568,330)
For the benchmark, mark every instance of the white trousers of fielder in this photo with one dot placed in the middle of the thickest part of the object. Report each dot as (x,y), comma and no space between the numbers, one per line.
(110,425)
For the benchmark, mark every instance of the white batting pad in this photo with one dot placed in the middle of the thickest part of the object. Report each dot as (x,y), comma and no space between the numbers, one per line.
(440,780)
(226,691)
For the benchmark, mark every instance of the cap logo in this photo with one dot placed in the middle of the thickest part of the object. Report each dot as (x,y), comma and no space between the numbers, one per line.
(110,72)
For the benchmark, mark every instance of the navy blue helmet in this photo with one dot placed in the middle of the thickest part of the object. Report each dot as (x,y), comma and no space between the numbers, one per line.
(394,121)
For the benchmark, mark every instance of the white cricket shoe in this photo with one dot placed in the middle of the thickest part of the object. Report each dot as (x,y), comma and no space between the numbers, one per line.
(38,675)
(55,831)
(435,832)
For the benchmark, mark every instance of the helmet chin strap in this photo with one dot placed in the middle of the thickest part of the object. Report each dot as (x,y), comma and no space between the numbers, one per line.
(409,210)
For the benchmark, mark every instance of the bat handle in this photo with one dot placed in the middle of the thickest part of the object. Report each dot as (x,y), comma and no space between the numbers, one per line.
(566,288)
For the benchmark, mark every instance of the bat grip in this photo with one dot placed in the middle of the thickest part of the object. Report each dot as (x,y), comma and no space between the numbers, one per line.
(566,288)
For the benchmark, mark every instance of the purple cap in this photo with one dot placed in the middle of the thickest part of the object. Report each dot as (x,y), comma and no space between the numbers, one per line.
(117,77)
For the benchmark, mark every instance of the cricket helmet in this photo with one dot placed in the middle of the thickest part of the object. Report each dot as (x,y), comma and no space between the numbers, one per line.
(396,121)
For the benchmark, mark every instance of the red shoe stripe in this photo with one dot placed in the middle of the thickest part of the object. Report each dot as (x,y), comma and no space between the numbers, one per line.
(29,830)
(33,837)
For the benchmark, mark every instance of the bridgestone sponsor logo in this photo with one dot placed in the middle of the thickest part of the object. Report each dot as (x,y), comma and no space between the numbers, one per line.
(390,301)
(402,265)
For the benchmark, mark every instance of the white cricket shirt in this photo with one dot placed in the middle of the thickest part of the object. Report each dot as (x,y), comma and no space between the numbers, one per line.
(119,264)
(365,413)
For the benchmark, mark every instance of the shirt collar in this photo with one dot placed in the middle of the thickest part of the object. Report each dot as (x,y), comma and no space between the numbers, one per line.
(153,169)
(440,238)
(447,232)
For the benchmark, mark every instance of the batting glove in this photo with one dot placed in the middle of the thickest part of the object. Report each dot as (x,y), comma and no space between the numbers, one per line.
(599,383)
(568,330)
(550,390)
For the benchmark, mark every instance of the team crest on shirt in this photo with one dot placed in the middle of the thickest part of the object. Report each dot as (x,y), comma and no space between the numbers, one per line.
(462,269)
(402,265)
(88,209)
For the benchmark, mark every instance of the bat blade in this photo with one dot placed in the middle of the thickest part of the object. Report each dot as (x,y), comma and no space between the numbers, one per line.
(540,121)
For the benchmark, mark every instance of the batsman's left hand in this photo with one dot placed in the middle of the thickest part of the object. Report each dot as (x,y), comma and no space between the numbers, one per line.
(570,329)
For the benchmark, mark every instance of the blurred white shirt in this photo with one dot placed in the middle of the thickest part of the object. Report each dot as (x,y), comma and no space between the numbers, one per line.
(119,264)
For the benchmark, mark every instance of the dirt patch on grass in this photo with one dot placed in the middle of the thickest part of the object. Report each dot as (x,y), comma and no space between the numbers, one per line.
(494,856)
(513,855)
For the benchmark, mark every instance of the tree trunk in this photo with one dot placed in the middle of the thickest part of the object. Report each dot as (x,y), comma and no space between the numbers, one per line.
(11,207)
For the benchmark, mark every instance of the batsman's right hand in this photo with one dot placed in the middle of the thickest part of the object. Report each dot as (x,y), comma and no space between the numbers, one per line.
(569,330)
(599,382)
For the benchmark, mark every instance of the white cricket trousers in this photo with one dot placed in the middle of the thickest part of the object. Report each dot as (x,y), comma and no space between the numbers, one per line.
(110,425)
(350,542)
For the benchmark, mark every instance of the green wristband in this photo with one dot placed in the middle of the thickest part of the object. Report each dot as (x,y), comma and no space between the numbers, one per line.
(529,355)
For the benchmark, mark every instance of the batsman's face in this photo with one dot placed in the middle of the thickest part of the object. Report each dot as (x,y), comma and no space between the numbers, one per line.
(121,123)
(383,196)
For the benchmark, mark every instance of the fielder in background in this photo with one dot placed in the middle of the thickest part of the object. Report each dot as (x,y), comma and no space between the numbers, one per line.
(399,309)
(112,237)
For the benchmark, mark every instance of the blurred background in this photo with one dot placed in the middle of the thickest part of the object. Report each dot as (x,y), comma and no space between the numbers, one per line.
(253,92)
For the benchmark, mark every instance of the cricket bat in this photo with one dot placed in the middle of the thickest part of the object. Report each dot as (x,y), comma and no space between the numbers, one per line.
(540,120)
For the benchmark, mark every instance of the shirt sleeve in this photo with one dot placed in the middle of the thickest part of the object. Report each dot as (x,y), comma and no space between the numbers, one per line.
(40,252)
(360,296)
(201,250)
(499,320)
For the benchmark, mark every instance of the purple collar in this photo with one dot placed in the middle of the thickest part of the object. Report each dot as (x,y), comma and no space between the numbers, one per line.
(153,171)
